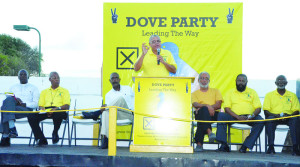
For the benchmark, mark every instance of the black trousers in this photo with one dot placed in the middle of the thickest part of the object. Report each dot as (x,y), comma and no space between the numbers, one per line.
(203,114)
(298,131)
(271,127)
(35,119)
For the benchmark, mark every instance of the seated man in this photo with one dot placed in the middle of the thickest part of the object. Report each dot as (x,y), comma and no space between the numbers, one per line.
(25,98)
(241,103)
(277,103)
(207,102)
(53,98)
(119,95)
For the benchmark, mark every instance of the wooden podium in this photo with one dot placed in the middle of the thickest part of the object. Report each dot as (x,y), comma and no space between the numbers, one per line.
(168,97)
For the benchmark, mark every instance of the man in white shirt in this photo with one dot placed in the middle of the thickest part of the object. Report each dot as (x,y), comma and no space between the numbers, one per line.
(25,98)
(119,95)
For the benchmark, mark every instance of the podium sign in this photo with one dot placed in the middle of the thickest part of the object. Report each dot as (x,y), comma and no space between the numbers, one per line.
(167,98)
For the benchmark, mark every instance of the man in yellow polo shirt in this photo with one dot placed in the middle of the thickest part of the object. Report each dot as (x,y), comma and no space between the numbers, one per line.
(281,103)
(155,62)
(241,103)
(53,98)
(207,102)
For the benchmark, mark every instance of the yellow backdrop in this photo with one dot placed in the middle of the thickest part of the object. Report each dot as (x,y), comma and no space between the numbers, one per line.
(200,36)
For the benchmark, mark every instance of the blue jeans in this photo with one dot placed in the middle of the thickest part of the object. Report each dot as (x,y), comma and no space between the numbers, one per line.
(256,129)
(10,104)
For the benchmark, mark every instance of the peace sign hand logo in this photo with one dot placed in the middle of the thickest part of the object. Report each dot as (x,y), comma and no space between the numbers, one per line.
(114,16)
(230,16)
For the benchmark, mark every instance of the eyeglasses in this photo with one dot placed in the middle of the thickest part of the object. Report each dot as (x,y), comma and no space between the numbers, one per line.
(204,78)
(154,42)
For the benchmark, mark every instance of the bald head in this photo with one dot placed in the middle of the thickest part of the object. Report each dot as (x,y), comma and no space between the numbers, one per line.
(281,82)
(54,79)
(115,81)
(23,76)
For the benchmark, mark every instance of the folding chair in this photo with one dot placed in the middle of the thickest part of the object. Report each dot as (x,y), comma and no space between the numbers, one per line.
(24,121)
(66,123)
(124,123)
(280,128)
(241,127)
(193,125)
(79,120)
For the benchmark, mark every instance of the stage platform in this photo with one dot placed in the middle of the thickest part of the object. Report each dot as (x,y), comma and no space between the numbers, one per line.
(92,156)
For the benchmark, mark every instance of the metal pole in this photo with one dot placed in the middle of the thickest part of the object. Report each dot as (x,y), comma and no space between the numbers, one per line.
(39,49)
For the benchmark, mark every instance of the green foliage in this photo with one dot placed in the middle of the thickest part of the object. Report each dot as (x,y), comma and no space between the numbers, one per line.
(4,69)
(15,55)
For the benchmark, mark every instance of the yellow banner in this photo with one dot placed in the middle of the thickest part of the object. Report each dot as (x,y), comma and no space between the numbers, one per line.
(200,36)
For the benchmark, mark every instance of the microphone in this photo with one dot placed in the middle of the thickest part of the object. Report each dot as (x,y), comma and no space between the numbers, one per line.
(158,52)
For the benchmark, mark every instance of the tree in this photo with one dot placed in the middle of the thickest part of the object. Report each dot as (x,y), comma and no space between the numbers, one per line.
(15,54)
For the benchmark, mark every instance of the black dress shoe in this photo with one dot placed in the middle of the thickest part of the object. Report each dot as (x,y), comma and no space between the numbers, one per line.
(55,138)
(270,150)
(13,132)
(41,142)
(5,142)
(243,149)
(92,115)
(296,150)
(224,148)
(104,143)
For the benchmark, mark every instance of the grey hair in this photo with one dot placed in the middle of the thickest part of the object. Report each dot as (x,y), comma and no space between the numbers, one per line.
(52,73)
(25,72)
(152,36)
(204,72)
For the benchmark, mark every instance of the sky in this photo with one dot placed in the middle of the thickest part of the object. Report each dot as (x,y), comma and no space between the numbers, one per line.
(72,34)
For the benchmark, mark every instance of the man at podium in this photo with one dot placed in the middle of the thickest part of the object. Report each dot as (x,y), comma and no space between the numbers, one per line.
(155,62)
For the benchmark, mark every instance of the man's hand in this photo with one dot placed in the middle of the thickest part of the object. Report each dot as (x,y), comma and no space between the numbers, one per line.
(211,110)
(277,115)
(49,114)
(104,105)
(145,48)
(196,111)
(19,101)
(160,58)
(241,117)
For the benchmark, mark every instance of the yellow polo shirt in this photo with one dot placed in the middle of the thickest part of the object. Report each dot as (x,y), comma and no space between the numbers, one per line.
(276,104)
(210,97)
(54,97)
(151,69)
(242,103)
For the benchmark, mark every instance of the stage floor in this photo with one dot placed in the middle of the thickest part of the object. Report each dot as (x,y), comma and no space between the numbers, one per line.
(92,156)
